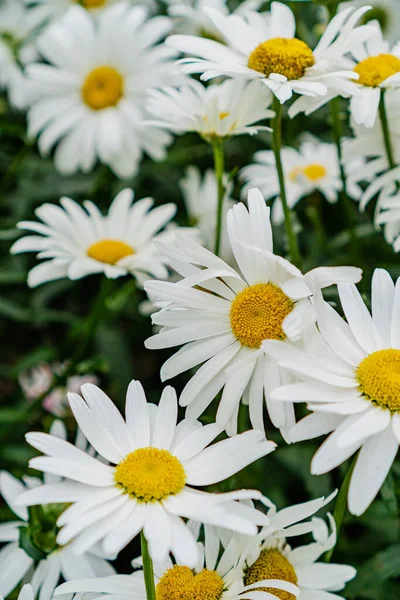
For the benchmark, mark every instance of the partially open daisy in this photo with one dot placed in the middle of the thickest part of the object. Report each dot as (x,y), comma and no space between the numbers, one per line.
(221,316)
(269,556)
(351,383)
(214,577)
(217,111)
(268,51)
(378,68)
(31,550)
(148,486)
(313,167)
(75,241)
(90,100)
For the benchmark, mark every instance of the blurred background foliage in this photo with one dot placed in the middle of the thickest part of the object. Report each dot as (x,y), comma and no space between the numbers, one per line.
(52,323)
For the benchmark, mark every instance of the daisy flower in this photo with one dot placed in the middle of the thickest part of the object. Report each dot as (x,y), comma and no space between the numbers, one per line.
(265,49)
(148,486)
(190,18)
(31,551)
(217,111)
(90,99)
(15,51)
(75,241)
(221,316)
(269,556)
(350,382)
(313,167)
(212,578)
(386,12)
(378,68)
(200,195)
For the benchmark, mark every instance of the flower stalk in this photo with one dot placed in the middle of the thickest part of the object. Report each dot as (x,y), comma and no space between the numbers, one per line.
(219,167)
(148,570)
(387,140)
(341,506)
(276,147)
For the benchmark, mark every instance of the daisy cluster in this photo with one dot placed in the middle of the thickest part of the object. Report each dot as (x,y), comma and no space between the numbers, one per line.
(264,334)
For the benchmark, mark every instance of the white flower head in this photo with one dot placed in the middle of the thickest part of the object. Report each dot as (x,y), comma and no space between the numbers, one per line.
(90,100)
(200,195)
(75,242)
(217,111)
(269,556)
(313,167)
(15,51)
(215,576)
(266,49)
(221,316)
(148,485)
(52,560)
(350,381)
(378,67)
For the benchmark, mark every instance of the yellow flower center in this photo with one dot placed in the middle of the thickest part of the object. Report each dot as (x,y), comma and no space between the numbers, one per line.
(92,3)
(379,378)
(103,87)
(271,564)
(311,172)
(109,251)
(180,583)
(287,56)
(257,313)
(375,69)
(150,474)
(223,115)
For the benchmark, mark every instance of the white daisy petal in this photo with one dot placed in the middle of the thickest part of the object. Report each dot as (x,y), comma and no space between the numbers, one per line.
(373,464)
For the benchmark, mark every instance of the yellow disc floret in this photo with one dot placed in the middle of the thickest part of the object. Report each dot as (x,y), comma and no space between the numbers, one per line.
(313,172)
(150,474)
(271,564)
(92,3)
(287,56)
(379,378)
(180,583)
(103,87)
(109,251)
(257,313)
(374,70)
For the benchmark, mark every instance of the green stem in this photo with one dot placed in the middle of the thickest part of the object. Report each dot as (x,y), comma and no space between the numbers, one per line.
(276,146)
(147,569)
(219,166)
(386,131)
(346,203)
(341,506)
